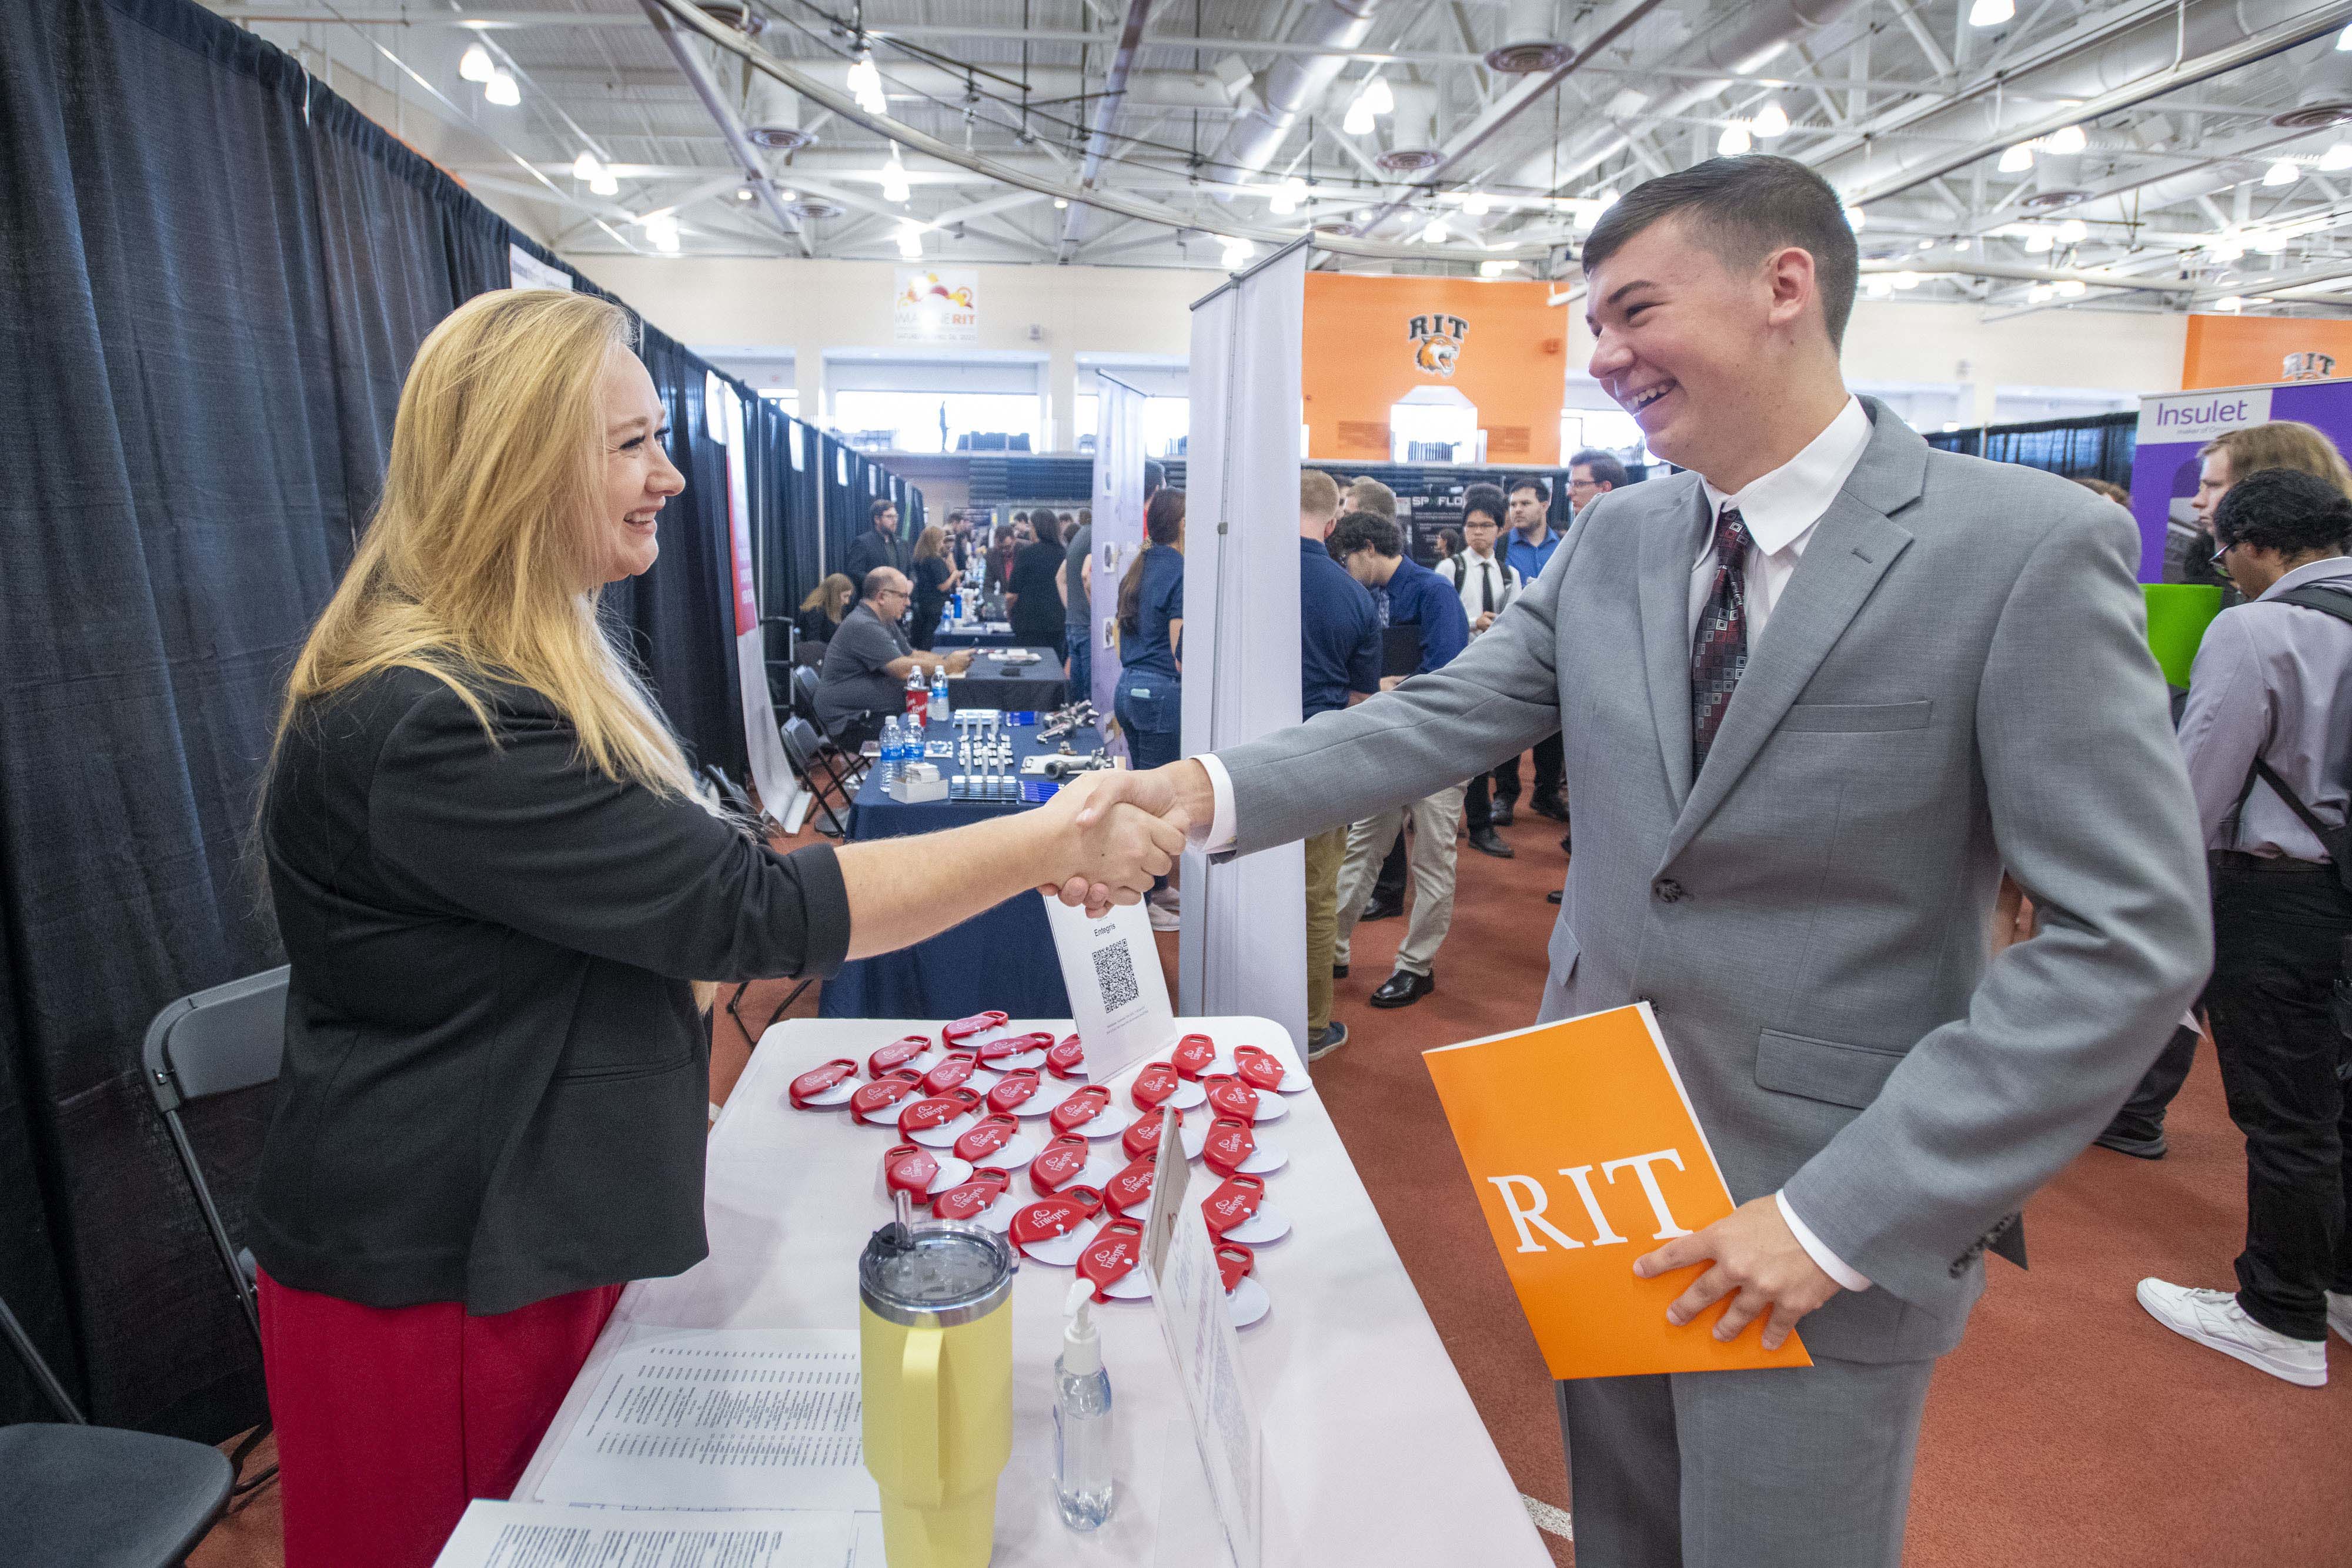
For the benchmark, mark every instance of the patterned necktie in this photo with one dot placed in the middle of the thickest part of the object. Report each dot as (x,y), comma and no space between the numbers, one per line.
(1719,649)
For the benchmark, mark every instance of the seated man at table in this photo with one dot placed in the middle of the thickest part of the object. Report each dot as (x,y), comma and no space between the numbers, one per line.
(863,680)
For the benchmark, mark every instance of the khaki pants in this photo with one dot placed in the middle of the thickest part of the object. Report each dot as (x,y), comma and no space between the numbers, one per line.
(1325,853)
(1435,819)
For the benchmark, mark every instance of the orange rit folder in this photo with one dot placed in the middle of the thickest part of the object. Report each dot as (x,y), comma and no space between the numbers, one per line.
(1586,1154)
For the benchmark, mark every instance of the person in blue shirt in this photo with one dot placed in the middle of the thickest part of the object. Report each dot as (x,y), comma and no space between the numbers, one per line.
(1527,546)
(1373,549)
(1149,704)
(1339,665)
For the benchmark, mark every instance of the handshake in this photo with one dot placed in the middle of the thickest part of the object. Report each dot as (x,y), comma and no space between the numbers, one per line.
(1109,834)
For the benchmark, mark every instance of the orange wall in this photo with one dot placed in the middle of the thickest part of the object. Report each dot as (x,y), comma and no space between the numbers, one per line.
(2248,350)
(1508,350)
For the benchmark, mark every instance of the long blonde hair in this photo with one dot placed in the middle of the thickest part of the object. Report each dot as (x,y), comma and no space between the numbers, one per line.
(2282,443)
(472,565)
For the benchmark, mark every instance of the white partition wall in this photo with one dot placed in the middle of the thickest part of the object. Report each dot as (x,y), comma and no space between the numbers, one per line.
(1118,524)
(1244,948)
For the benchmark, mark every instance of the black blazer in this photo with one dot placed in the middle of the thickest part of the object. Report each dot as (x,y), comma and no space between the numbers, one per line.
(496,1086)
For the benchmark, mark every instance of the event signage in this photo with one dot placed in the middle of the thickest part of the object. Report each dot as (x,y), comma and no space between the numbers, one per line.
(1436,339)
(937,305)
(2174,426)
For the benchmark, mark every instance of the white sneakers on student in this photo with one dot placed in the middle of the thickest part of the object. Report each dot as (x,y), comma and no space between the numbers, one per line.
(2215,1320)
(2339,1316)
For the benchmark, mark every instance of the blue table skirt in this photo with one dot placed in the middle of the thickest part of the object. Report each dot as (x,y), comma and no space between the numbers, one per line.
(1002,957)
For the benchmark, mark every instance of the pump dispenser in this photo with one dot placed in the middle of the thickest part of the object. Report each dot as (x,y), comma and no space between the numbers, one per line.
(1083,1489)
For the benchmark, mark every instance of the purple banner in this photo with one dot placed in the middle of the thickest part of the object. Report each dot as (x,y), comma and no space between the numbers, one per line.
(2174,426)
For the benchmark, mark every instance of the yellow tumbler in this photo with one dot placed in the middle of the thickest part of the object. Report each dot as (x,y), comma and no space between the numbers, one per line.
(935,1336)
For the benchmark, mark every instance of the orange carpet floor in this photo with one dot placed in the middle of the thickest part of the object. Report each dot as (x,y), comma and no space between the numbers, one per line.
(2068,1431)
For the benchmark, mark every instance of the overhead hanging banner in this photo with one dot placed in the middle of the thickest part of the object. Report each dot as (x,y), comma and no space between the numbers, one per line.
(1368,341)
(937,305)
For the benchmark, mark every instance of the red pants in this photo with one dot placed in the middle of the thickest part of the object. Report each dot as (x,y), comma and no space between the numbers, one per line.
(391,1420)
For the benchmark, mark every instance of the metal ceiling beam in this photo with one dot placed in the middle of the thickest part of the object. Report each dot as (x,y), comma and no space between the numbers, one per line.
(730,126)
(1106,108)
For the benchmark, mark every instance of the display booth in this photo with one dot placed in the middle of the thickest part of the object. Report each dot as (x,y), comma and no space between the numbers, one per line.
(2174,426)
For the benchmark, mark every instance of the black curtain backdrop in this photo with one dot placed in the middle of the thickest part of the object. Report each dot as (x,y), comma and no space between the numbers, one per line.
(844,511)
(216,276)
(2098,447)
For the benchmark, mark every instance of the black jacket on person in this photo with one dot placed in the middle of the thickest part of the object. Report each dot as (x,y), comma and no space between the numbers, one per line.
(872,549)
(1039,617)
(496,1086)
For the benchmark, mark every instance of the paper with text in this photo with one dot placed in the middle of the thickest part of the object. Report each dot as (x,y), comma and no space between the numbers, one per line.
(549,1535)
(1118,995)
(1188,1296)
(721,1419)
(1586,1154)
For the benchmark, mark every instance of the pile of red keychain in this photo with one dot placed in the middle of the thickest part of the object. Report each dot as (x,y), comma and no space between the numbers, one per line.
(956,1102)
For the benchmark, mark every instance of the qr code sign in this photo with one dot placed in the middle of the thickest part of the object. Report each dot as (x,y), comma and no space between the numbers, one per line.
(1115,973)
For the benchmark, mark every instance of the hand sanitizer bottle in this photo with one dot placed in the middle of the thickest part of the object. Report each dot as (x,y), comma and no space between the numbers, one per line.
(1083,1489)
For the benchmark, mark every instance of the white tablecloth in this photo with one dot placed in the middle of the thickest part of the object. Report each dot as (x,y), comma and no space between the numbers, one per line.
(1373,1451)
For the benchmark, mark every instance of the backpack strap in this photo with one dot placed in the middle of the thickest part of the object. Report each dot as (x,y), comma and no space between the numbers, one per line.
(2328,602)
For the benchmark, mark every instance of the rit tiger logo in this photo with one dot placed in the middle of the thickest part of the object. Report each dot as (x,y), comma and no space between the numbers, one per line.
(1436,343)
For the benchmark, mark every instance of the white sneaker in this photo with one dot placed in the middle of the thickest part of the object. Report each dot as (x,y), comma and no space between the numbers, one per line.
(1171,899)
(1163,918)
(2215,1320)
(2340,1315)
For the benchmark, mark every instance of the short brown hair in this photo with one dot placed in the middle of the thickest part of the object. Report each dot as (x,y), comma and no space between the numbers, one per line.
(2281,444)
(1318,494)
(1368,495)
(1743,209)
(2115,493)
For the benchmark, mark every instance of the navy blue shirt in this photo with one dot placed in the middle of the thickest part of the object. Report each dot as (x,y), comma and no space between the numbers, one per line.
(1339,634)
(1159,600)
(1419,597)
(1530,558)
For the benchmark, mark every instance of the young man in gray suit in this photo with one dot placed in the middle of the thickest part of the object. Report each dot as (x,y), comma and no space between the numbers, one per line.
(1814,693)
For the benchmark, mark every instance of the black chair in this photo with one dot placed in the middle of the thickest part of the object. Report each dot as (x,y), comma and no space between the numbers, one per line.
(805,753)
(736,800)
(219,1041)
(100,1497)
(852,764)
(805,680)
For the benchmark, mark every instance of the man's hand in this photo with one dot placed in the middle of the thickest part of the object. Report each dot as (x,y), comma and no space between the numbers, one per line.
(959,660)
(1755,1254)
(1107,849)
(1485,619)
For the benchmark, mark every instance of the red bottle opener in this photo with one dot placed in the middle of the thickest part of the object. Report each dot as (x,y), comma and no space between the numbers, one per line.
(1194,1054)
(937,1111)
(1230,1145)
(1234,1260)
(974,1197)
(872,1099)
(1014,1089)
(1229,1096)
(1081,1108)
(1131,1189)
(911,1170)
(1066,1060)
(1014,1045)
(1154,1084)
(991,1135)
(964,1028)
(956,1069)
(1258,1068)
(817,1079)
(898,1053)
(1232,1204)
(1047,1218)
(1143,1137)
(1058,1165)
(1112,1255)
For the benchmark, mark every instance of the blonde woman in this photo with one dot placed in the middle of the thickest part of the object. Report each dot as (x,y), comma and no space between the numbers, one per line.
(496,893)
(821,612)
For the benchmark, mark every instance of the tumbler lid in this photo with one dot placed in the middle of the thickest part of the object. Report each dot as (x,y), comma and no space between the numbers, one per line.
(935,1274)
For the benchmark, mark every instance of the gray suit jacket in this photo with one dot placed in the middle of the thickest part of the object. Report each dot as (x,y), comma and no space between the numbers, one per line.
(1955,679)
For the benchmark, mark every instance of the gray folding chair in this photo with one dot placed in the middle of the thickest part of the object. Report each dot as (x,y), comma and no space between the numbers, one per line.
(804,751)
(218,1042)
(804,685)
(100,1497)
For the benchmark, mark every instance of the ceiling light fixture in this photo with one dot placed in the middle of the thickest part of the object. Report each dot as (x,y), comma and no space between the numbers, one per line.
(865,84)
(501,90)
(1061,203)
(1905,280)
(1377,93)
(2227,248)
(1990,13)
(2338,157)
(2072,288)
(1492,269)
(1286,197)
(2344,41)
(2039,294)
(2018,159)
(585,167)
(476,64)
(1855,218)
(1437,233)
(606,182)
(2038,241)
(1237,252)
(894,178)
(1772,122)
(662,229)
(1735,140)
(2283,172)
(1476,204)
(2073,232)
(1877,287)
(910,240)
(2229,302)
(2260,299)
(2065,142)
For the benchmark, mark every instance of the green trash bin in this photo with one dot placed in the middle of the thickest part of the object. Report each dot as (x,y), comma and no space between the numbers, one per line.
(2178,614)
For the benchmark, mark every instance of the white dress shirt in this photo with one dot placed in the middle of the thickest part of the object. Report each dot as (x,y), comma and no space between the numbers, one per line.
(1472,574)
(1779,509)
